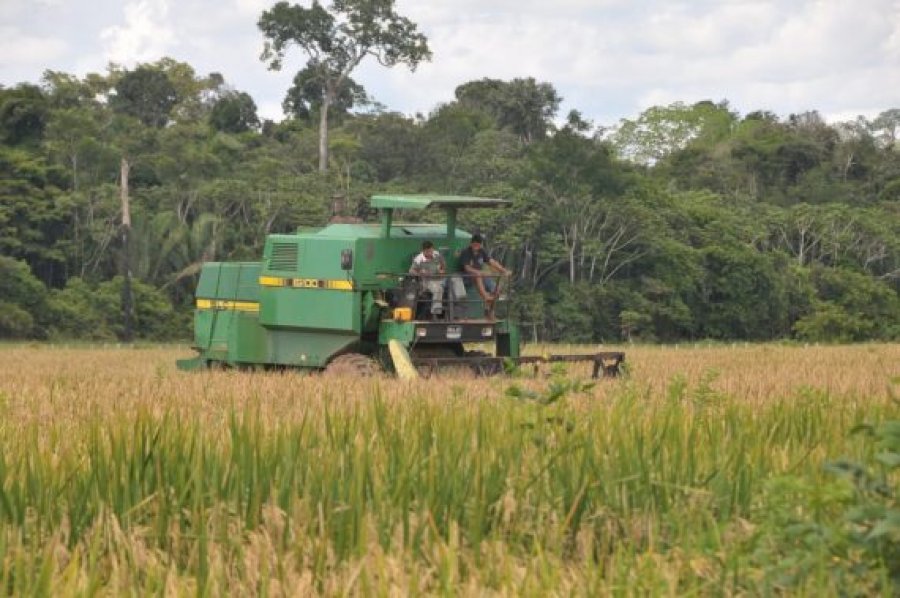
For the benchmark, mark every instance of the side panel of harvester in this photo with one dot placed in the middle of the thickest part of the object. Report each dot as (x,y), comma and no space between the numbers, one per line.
(226,319)
(308,303)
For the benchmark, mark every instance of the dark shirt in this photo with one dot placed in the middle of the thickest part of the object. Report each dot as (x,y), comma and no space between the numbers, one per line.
(475,259)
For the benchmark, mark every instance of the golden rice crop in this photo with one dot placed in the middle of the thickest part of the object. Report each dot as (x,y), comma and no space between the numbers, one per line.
(119,474)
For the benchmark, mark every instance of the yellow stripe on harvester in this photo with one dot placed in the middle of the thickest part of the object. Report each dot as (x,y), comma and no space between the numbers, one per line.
(306,283)
(231,305)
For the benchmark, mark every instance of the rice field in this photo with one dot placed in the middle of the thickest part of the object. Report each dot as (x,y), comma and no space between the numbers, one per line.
(703,471)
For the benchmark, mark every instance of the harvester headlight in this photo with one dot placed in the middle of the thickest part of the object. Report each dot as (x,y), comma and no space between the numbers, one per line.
(488,331)
(420,332)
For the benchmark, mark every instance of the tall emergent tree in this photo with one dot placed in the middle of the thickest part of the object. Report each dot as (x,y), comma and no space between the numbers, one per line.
(304,98)
(336,40)
(147,94)
(522,106)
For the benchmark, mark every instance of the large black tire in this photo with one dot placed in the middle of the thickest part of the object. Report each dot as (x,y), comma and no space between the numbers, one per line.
(353,364)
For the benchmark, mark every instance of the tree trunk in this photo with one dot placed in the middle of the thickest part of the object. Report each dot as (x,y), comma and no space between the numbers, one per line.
(572,265)
(323,133)
(127,297)
(77,248)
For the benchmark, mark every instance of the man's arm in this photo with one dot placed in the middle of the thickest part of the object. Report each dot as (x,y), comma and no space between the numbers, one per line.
(414,268)
(497,266)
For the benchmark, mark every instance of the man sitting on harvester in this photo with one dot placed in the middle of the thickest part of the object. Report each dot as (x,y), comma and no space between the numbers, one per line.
(472,262)
(430,267)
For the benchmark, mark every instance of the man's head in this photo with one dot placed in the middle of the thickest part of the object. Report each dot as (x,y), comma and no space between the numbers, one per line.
(476,242)
(428,249)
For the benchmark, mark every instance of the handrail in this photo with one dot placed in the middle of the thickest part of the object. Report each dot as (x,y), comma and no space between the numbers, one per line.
(453,306)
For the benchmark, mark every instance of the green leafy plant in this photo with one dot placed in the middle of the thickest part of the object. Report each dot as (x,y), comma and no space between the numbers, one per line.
(845,528)
(874,517)
(558,387)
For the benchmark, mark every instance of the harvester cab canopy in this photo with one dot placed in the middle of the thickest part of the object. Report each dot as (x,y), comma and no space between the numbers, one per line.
(421,202)
(450,203)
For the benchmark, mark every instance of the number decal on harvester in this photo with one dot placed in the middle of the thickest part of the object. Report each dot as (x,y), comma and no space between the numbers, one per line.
(251,306)
(306,283)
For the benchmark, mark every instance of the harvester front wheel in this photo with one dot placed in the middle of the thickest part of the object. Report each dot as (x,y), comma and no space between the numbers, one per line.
(353,364)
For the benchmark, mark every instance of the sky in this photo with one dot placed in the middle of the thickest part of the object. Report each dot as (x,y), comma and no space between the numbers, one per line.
(609,59)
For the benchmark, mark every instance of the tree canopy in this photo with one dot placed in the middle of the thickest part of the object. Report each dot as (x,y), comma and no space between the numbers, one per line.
(336,40)
(688,221)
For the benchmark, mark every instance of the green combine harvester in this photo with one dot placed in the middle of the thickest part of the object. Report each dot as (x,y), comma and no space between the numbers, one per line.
(341,299)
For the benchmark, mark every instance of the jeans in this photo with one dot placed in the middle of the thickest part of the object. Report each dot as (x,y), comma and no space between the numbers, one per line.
(436,288)
(459,289)
(490,284)
(459,286)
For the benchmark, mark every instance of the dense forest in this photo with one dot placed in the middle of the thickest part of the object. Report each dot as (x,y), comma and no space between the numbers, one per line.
(690,221)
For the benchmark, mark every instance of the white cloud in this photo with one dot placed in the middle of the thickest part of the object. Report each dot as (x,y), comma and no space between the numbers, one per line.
(11,10)
(146,34)
(20,50)
(270,110)
(252,8)
(829,56)
(607,58)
